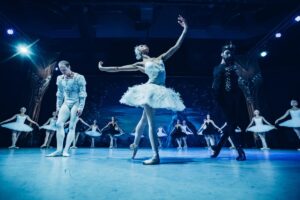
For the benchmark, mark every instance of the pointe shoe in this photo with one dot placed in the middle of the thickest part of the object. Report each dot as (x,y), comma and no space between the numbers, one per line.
(152,161)
(232,147)
(185,147)
(54,154)
(43,146)
(111,147)
(65,154)
(215,151)
(179,148)
(133,147)
(11,147)
(73,147)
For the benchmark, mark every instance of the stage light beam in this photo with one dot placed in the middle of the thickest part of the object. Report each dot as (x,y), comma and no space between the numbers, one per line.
(278,35)
(23,50)
(263,54)
(10,31)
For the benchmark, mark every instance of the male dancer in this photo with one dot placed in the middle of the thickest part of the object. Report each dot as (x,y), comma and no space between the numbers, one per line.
(229,96)
(71,95)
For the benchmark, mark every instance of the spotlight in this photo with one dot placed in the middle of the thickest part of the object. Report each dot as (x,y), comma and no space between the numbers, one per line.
(278,35)
(10,31)
(23,50)
(263,54)
(297,18)
(56,68)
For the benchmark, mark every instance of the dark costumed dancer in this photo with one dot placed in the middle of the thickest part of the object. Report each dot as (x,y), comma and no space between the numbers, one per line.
(229,96)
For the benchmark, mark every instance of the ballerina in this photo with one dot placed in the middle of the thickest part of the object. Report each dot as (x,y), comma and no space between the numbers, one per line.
(260,128)
(77,134)
(161,133)
(71,95)
(294,122)
(113,130)
(50,127)
(18,126)
(208,129)
(153,94)
(179,135)
(187,132)
(93,131)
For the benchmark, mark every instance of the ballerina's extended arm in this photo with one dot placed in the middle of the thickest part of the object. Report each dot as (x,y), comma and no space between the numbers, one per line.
(282,117)
(126,68)
(165,56)
(30,120)
(82,121)
(267,121)
(252,121)
(213,123)
(12,118)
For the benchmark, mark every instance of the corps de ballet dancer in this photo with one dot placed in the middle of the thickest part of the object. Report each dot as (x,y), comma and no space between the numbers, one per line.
(18,126)
(153,94)
(113,130)
(260,128)
(187,131)
(77,132)
(294,122)
(50,127)
(209,129)
(71,95)
(93,132)
(161,133)
(180,136)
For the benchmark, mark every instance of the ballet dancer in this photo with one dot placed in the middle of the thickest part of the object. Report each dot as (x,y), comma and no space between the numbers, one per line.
(93,132)
(71,95)
(153,94)
(50,127)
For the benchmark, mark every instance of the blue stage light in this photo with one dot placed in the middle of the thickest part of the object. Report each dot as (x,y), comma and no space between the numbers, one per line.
(263,54)
(10,31)
(297,18)
(278,35)
(23,50)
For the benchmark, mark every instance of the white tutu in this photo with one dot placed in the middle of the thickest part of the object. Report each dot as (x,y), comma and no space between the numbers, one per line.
(161,134)
(93,133)
(292,123)
(156,96)
(133,134)
(17,126)
(49,127)
(260,128)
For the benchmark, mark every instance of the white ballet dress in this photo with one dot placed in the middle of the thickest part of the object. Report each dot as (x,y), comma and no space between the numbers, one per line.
(259,127)
(51,126)
(153,93)
(160,133)
(294,122)
(18,125)
(93,132)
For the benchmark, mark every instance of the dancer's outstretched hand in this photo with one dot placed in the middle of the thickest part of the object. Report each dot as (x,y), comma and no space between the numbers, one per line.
(182,21)
(100,65)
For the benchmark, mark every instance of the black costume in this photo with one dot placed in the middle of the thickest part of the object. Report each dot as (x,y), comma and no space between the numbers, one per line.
(229,96)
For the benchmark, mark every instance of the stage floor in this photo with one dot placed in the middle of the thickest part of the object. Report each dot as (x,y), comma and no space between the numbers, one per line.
(188,174)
